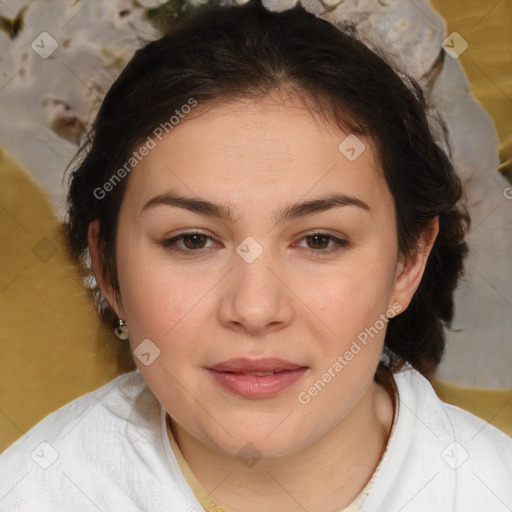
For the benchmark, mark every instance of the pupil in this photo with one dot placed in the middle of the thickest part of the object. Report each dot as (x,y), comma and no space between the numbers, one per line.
(194,239)
(317,237)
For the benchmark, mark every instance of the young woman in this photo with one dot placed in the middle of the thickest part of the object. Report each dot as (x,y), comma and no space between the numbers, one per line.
(278,238)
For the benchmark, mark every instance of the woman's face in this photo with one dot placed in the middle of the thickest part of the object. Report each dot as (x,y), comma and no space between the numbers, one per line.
(259,284)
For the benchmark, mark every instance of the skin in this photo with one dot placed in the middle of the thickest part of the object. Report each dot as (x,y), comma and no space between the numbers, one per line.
(210,305)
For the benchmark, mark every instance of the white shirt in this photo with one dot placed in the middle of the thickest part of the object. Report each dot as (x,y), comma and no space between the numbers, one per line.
(109,450)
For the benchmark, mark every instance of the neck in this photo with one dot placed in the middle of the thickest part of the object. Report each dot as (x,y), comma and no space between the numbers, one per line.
(337,467)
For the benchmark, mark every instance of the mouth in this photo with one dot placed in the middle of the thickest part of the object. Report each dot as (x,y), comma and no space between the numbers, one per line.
(258,374)
(259,378)
(243,365)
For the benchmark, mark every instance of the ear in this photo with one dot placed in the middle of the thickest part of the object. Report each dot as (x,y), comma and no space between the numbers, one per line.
(95,251)
(410,268)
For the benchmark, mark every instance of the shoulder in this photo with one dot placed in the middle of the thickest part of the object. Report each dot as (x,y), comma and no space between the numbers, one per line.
(451,421)
(103,448)
(106,404)
(442,457)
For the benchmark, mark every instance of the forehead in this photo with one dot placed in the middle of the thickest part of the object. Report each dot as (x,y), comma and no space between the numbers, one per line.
(258,150)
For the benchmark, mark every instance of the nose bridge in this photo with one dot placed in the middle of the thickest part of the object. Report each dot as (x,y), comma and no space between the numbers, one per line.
(253,271)
(257,297)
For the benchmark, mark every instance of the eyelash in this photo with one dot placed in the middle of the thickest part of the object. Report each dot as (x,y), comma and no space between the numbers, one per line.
(339,243)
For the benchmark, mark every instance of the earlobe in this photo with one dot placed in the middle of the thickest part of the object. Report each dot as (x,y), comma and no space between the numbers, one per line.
(410,269)
(97,265)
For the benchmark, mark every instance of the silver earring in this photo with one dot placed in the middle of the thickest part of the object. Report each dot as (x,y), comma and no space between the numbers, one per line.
(121,330)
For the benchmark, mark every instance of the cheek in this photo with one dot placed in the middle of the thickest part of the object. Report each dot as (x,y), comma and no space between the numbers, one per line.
(158,306)
(354,295)
(351,304)
(155,295)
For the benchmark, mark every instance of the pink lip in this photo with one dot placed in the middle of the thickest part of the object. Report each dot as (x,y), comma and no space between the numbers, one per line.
(243,364)
(234,375)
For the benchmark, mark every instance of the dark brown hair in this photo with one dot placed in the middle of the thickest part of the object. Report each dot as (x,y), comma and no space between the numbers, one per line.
(225,53)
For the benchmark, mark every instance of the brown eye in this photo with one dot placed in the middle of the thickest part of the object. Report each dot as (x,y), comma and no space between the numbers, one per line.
(194,240)
(318,240)
(190,242)
(318,243)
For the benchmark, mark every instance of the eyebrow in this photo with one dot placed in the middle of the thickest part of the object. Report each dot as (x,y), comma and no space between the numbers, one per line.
(287,213)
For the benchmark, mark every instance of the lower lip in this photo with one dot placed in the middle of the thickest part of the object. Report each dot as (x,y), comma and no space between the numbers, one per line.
(253,386)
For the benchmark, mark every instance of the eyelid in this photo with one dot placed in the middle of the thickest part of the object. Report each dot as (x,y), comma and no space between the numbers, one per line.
(339,243)
(167,241)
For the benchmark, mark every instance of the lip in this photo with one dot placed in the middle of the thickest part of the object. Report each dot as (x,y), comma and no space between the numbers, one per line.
(237,376)
(244,365)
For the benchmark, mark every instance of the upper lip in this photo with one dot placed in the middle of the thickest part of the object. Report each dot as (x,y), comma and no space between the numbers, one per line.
(243,364)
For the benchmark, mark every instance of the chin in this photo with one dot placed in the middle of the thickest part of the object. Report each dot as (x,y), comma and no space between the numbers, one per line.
(269,438)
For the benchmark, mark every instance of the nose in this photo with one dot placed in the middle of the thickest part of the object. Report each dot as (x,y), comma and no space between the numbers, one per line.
(257,298)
